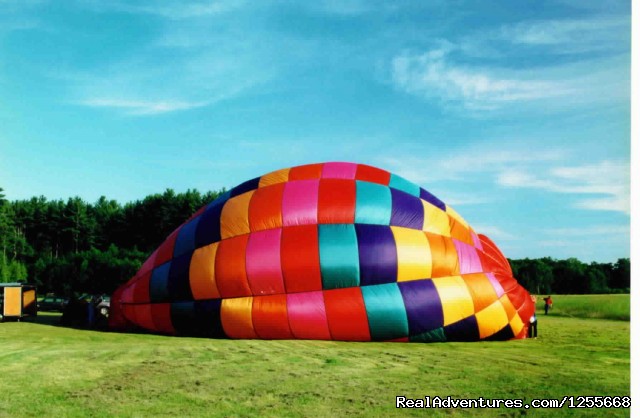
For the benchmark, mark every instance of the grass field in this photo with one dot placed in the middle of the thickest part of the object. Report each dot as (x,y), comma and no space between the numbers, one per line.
(589,306)
(46,370)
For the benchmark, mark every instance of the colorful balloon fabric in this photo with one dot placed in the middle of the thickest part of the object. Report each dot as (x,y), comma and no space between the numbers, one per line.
(333,251)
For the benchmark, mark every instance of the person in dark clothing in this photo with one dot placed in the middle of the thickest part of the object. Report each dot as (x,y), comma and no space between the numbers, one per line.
(74,314)
(91,311)
(533,327)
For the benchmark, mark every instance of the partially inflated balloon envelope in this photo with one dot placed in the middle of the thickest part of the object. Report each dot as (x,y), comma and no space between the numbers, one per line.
(333,251)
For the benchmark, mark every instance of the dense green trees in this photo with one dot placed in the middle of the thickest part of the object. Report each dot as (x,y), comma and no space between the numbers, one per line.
(547,275)
(74,246)
(12,245)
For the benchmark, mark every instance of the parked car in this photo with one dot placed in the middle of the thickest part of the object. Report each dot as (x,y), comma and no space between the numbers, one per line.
(87,311)
(104,305)
(52,303)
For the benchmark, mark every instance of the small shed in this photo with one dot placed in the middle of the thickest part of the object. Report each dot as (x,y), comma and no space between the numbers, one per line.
(18,301)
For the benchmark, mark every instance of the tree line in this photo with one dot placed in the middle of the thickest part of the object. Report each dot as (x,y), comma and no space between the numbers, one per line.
(572,276)
(76,246)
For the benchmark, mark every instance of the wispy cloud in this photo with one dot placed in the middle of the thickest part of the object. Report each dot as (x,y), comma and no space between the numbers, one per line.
(15,15)
(582,247)
(347,8)
(139,107)
(432,75)
(460,164)
(8,25)
(607,179)
(13,4)
(457,199)
(210,60)
(204,74)
(492,159)
(592,230)
(600,185)
(581,241)
(494,232)
(342,7)
(170,9)
(141,92)
(177,87)
(571,35)
(544,63)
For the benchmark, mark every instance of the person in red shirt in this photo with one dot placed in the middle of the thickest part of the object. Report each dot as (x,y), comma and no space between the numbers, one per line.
(548,304)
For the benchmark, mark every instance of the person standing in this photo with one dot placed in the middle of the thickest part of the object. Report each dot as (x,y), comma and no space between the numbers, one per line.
(548,304)
(533,326)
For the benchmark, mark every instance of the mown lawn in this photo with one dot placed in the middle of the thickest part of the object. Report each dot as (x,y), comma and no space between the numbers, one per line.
(588,306)
(47,370)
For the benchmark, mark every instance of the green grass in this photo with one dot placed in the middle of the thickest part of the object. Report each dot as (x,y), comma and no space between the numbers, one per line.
(589,306)
(47,370)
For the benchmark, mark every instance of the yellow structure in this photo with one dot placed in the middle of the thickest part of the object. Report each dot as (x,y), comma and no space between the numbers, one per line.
(18,301)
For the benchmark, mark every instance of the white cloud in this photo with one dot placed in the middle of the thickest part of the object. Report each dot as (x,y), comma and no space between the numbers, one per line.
(18,4)
(553,39)
(495,159)
(135,89)
(204,74)
(141,107)
(518,178)
(619,203)
(456,199)
(170,9)
(433,75)
(188,63)
(579,250)
(494,232)
(601,185)
(15,15)
(475,164)
(17,24)
(592,230)
(609,179)
(342,7)
(459,165)
(571,35)
(575,61)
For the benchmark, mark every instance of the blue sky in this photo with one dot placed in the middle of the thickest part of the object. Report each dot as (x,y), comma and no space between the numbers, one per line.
(517,114)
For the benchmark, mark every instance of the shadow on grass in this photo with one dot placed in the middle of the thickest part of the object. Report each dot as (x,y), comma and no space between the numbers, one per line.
(46,318)
(54,319)
(43,318)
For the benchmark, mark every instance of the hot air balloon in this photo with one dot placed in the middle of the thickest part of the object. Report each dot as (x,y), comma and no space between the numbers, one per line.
(331,251)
